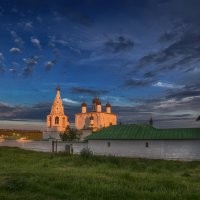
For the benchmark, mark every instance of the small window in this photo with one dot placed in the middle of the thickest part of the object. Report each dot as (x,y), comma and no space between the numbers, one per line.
(110,124)
(108,144)
(56,120)
(146,144)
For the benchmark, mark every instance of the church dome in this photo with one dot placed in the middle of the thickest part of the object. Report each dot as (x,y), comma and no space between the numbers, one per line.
(96,101)
(108,105)
(83,104)
(58,88)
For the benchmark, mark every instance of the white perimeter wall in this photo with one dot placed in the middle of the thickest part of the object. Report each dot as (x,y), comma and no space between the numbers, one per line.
(157,149)
(43,146)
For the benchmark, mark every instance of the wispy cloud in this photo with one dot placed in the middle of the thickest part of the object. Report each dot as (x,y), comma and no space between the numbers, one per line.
(17,39)
(133,83)
(167,85)
(1,57)
(15,50)
(36,42)
(30,64)
(49,65)
(119,44)
(88,91)
(68,101)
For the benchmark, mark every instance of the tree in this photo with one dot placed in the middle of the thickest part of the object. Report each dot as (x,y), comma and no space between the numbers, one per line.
(69,134)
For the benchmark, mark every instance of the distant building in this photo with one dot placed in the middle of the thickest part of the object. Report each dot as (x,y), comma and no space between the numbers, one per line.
(95,119)
(57,121)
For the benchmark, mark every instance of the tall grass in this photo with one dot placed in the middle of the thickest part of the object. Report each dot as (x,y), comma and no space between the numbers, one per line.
(32,175)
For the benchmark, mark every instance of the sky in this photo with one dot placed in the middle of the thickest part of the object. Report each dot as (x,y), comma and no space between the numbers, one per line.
(142,56)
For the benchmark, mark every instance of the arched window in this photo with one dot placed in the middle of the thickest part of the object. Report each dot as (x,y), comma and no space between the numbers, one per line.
(50,121)
(63,121)
(56,120)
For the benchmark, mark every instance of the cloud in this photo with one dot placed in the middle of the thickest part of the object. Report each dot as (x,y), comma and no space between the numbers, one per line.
(88,91)
(184,93)
(167,36)
(14,10)
(27,71)
(131,83)
(36,42)
(33,60)
(2,68)
(1,57)
(167,85)
(39,19)
(33,112)
(73,14)
(182,54)
(175,102)
(12,70)
(67,43)
(37,111)
(53,41)
(26,25)
(149,74)
(15,50)
(119,44)
(18,40)
(49,65)
(30,64)
(68,101)
(2,65)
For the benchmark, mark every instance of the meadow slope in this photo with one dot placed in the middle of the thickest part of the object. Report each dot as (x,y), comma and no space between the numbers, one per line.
(33,175)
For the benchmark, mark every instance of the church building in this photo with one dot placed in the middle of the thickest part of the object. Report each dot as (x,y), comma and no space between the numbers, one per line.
(95,119)
(57,121)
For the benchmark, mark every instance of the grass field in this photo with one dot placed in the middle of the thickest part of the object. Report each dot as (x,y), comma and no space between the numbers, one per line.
(32,175)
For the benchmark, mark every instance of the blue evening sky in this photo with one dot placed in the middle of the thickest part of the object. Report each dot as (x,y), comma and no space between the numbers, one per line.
(142,56)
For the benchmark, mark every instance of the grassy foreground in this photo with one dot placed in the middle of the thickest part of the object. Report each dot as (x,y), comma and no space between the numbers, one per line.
(32,175)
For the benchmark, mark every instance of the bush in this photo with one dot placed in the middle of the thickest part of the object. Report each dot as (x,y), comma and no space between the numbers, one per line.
(69,134)
(86,153)
(14,185)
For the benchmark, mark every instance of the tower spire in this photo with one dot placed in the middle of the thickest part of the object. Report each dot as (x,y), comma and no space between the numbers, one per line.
(151,121)
(58,88)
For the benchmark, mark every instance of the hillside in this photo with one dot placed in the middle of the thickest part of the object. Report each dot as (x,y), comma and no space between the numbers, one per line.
(33,175)
(16,134)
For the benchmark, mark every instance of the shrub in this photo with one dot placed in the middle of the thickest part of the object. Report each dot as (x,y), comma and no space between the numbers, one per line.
(69,134)
(15,185)
(86,153)
(186,174)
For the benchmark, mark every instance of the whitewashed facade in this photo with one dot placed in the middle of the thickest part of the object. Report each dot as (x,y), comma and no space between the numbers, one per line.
(153,149)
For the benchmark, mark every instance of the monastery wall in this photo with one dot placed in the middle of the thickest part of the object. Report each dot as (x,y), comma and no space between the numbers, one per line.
(42,146)
(157,149)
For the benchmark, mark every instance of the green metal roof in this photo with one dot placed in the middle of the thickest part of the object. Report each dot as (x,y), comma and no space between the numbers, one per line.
(143,132)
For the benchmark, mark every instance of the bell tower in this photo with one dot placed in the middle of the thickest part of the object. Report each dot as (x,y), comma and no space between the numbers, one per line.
(57,121)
